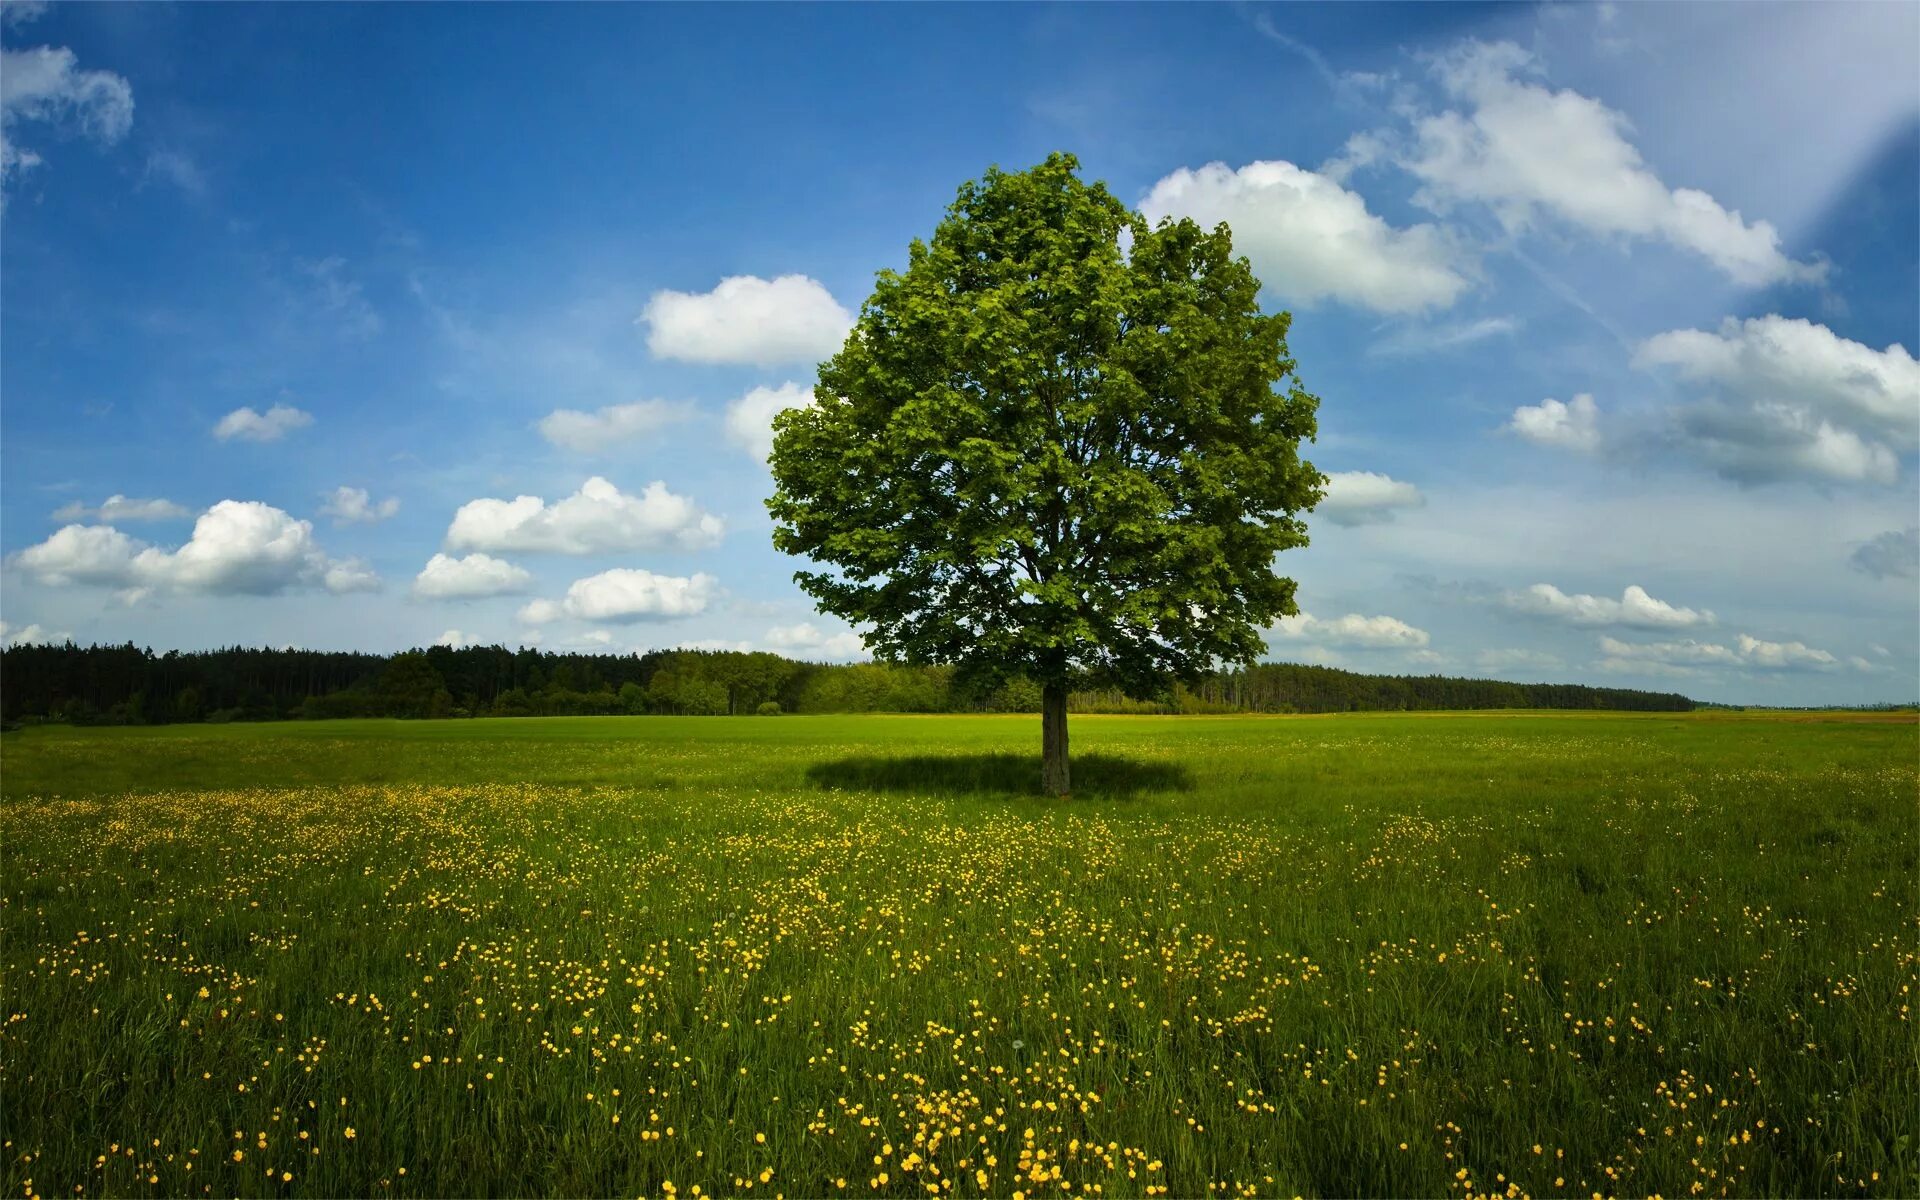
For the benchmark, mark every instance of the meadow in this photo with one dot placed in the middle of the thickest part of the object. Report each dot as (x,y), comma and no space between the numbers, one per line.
(1413,955)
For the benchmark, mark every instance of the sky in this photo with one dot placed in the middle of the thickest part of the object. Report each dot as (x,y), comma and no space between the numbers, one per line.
(376,326)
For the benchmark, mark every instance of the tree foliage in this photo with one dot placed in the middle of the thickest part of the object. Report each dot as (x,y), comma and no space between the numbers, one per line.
(1062,443)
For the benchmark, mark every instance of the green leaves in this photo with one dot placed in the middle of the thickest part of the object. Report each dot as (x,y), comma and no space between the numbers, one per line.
(1038,452)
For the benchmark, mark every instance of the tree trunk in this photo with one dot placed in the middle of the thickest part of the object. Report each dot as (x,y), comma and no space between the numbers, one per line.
(1054,777)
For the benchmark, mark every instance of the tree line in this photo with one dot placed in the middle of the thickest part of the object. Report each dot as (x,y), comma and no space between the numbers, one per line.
(131,685)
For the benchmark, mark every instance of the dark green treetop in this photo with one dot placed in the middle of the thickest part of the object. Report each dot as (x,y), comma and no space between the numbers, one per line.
(1062,442)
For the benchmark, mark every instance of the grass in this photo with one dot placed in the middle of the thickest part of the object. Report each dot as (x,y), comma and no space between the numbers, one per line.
(1406,955)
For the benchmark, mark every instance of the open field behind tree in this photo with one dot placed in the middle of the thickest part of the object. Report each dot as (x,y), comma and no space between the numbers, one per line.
(1426,954)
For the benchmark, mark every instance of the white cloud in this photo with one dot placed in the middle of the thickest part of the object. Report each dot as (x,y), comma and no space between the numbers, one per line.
(238,547)
(1366,498)
(540,612)
(88,554)
(1351,630)
(448,578)
(807,640)
(1525,150)
(1574,425)
(270,426)
(1310,239)
(1783,655)
(45,84)
(1634,609)
(31,635)
(19,12)
(1455,335)
(748,320)
(597,519)
(244,546)
(1748,652)
(1787,398)
(353,506)
(1689,653)
(1894,554)
(123,508)
(750,418)
(599,431)
(627,594)
(1505,661)
(350,575)
(455,639)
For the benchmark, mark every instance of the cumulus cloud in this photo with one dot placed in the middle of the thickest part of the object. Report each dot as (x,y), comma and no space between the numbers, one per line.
(1352,630)
(1634,609)
(1366,498)
(455,639)
(350,575)
(353,506)
(46,85)
(748,320)
(1787,398)
(807,640)
(540,612)
(1310,239)
(1627,656)
(122,508)
(86,554)
(238,547)
(1686,657)
(1894,554)
(1574,425)
(1527,151)
(1783,655)
(597,519)
(627,594)
(750,418)
(270,426)
(599,431)
(448,578)
(31,635)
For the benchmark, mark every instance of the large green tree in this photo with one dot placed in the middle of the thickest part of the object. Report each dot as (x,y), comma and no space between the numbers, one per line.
(1062,443)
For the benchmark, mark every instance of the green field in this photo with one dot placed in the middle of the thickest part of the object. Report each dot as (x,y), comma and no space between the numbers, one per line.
(1408,955)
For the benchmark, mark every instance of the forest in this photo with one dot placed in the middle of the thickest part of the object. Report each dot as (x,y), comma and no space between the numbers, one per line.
(130,685)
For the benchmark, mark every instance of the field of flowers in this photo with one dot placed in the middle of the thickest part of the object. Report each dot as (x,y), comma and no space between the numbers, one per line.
(1481,954)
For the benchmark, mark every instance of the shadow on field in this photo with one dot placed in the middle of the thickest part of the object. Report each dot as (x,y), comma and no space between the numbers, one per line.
(1094,775)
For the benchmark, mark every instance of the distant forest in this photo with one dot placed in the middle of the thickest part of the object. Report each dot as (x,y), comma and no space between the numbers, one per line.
(127,685)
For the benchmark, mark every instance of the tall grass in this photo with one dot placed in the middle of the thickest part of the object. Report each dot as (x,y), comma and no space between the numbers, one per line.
(817,956)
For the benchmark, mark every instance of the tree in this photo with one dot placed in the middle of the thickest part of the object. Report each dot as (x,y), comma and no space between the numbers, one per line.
(412,688)
(1046,450)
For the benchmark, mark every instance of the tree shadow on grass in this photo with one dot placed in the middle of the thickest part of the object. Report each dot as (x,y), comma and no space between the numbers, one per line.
(1094,775)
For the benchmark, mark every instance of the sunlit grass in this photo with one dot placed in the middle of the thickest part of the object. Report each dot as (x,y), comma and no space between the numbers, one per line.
(818,956)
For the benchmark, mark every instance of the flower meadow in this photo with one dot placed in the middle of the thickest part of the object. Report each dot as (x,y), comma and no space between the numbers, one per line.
(1443,955)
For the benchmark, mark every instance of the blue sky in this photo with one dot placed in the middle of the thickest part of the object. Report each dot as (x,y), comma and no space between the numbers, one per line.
(394,324)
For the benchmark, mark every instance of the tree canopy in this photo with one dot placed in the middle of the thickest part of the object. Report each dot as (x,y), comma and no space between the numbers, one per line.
(1062,443)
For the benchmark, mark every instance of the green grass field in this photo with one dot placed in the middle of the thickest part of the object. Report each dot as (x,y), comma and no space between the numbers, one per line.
(1425,955)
